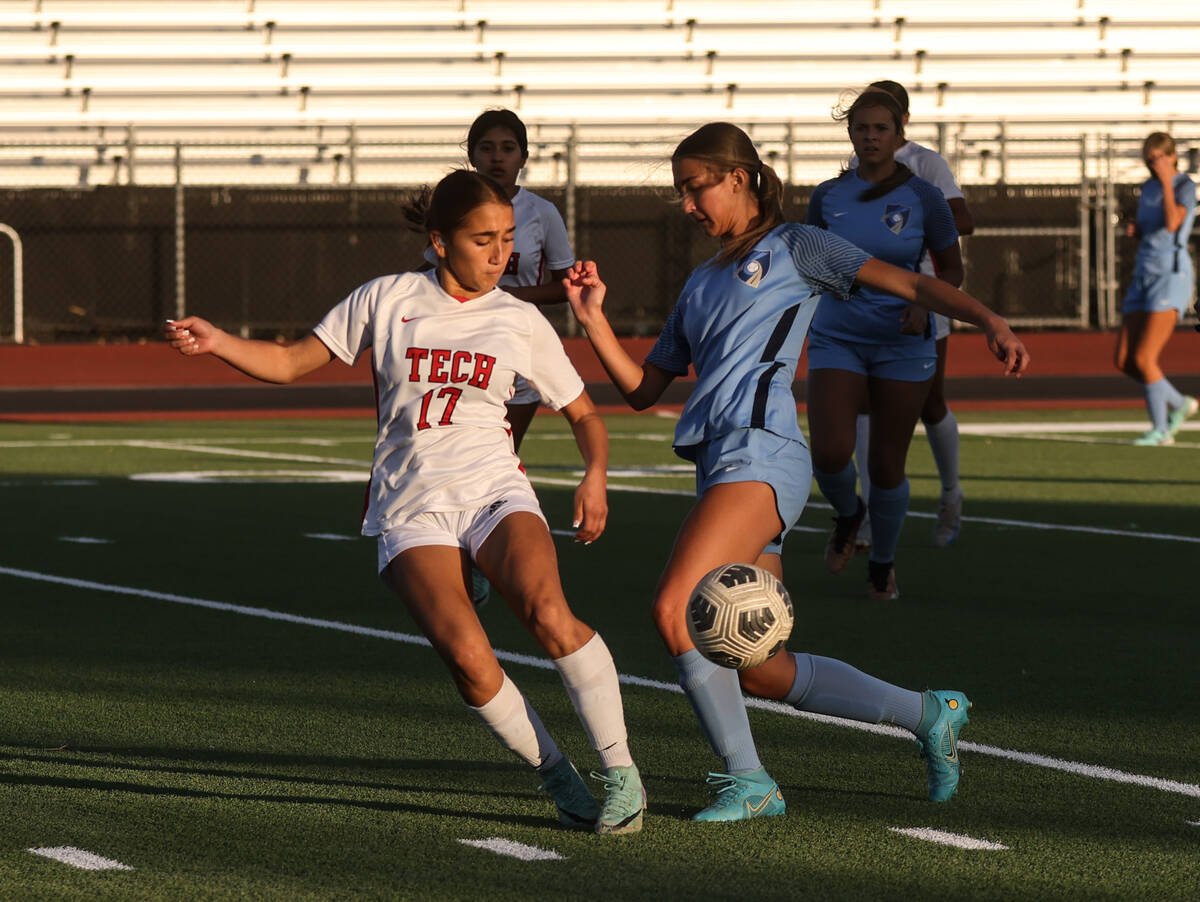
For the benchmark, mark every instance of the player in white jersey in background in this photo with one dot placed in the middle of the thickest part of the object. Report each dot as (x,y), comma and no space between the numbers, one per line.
(446,488)
(498,146)
(941,428)
(741,321)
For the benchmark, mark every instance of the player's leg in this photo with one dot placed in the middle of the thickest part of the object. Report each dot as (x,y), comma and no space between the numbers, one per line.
(835,397)
(895,406)
(730,522)
(430,580)
(518,555)
(1156,330)
(862,442)
(941,428)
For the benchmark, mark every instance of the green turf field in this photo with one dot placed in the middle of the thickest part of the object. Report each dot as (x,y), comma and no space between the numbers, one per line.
(202,679)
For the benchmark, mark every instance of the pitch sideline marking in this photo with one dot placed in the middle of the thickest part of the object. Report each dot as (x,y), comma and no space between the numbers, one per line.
(78,858)
(958,840)
(1073,767)
(514,849)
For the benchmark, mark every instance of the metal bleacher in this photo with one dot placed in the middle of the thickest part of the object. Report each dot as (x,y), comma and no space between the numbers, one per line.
(382,90)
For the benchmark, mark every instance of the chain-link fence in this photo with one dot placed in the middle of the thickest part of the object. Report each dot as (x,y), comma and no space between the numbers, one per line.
(111,262)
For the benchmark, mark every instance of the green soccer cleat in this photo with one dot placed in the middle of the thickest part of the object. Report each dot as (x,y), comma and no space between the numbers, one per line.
(741,797)
(1154,437)
(624,800)
(1183,412)
(577,807)
(939,741)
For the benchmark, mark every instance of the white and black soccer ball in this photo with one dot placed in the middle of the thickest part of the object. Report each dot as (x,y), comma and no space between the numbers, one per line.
(739,616)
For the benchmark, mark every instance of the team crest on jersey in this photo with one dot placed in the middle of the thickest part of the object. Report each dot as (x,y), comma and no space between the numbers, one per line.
(754,268)
(895,217)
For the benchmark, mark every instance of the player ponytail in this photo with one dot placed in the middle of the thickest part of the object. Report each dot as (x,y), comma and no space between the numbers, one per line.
(723,147)
(444,207)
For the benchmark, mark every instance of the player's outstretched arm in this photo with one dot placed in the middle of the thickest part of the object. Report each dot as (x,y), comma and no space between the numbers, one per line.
(640,385)
(265,360)
(591,497)
(940,297)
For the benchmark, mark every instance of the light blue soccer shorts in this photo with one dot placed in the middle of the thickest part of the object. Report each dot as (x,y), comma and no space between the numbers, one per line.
(756,455)
(1154,292)
(913,361)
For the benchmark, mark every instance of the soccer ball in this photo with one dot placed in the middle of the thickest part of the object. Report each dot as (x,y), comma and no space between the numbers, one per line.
(739,616)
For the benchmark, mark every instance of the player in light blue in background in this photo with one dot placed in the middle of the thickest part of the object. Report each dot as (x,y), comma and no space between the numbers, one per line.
(1161,288)
(740,322)
(941,426)
(876,350)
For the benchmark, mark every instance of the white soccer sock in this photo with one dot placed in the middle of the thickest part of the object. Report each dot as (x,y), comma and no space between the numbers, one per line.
(943,441)
(862,445)
(514,722)
(590,677)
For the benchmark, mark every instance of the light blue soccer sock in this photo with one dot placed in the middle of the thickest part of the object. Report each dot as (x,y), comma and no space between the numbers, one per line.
(839,489)
(1156,404)
(888,508)
(1173,396)
(717,700)
(833,687)
(943,442)
(862,447)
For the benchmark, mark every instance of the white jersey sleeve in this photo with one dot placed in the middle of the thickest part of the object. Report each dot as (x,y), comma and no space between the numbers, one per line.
(931,166)
(347,329)
(550,371)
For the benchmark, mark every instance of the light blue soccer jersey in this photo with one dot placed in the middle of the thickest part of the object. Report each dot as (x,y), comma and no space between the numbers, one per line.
(742,326)
(896,228)
(1160,251)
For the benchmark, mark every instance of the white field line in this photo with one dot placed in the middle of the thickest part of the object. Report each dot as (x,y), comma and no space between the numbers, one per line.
(358,473)
(331,536)
(957,840)
(513,849)
(78,858)
(84,540)
(1073,767)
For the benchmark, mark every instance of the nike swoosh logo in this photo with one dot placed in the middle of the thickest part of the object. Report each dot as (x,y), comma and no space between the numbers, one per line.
(835,215)
(928,365)
(407,319)
(755,809)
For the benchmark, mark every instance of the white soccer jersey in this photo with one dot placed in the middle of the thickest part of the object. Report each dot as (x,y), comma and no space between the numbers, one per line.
(443,370)
(540,242)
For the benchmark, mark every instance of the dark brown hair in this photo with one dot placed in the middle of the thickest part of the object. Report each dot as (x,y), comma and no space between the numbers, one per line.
(499,118)
(444,207)
(874,97)
(723,147)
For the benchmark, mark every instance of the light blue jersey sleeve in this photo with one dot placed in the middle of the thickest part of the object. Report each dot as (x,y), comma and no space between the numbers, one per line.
(940,231)
(671,351)
(828,263)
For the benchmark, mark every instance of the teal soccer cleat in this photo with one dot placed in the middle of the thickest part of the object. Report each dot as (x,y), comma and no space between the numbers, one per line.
(741,797)
(1154,437)
(1183,412)
(577,807)
(939,741)
(624,800)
